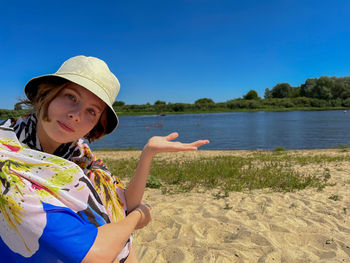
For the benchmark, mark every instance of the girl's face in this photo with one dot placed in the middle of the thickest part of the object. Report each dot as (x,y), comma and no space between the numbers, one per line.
(73,113)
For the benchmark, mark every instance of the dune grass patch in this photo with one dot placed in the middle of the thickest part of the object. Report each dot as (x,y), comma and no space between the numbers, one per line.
(273,170)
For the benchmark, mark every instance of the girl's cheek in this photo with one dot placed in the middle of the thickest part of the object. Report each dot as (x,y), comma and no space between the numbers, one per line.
(56,103)
(91,120)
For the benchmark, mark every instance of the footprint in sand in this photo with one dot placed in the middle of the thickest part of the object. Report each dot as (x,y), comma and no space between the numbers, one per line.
(260,240)
(175,254)
(276,228)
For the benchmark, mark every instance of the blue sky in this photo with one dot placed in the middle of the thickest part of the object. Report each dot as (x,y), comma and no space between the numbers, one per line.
(177,51)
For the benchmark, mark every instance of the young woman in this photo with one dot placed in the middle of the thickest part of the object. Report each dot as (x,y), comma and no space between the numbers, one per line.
(58,203)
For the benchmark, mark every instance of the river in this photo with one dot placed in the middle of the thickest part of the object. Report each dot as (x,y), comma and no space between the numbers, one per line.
(237,130)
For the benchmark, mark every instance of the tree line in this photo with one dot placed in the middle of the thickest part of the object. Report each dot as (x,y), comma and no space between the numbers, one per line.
(316,93)
(323,88)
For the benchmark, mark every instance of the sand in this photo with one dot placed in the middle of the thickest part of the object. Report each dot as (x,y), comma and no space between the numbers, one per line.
(255,226)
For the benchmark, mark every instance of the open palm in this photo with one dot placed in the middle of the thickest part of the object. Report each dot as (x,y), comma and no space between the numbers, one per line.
(158,144)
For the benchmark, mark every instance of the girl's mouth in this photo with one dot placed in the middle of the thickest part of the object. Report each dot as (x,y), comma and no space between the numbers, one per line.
(65,127)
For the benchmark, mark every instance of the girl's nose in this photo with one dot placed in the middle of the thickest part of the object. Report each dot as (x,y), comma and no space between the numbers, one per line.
(74,115)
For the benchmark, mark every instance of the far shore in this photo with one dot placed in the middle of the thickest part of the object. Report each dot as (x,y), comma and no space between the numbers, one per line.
(9,113)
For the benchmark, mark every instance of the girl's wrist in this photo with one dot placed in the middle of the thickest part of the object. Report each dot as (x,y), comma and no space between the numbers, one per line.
(148,152)
(137,211)
(136,214)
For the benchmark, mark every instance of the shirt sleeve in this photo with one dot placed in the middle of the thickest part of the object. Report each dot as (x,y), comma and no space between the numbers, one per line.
(66,238)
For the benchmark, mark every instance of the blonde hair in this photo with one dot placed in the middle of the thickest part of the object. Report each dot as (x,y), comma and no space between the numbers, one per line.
(47,91)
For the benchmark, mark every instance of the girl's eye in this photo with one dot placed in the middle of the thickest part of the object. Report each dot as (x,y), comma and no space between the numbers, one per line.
(71,97)
(92,112)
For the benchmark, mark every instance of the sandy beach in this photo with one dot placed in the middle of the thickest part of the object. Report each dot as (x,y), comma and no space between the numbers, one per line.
(252,226)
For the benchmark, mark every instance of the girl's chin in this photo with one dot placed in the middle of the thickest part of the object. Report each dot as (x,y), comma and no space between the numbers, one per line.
(61,137)
(61,140)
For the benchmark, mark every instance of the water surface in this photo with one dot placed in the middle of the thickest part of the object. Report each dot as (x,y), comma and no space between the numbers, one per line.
(237,130)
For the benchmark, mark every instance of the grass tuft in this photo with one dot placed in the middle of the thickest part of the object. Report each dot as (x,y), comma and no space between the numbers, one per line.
(343,147)
(334,197)
(279,149)
(153,182)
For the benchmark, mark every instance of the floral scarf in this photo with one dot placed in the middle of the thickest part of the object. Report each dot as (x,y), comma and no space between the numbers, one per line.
(50,207)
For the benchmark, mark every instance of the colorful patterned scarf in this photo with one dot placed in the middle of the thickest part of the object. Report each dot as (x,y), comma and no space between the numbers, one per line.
(50,207)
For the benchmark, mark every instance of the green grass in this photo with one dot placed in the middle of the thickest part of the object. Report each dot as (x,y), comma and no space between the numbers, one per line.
(266,170)
(334,197)
(343,147)
(279,149)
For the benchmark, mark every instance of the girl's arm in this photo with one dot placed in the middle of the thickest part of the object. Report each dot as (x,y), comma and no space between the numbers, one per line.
(111,238)
(157,144)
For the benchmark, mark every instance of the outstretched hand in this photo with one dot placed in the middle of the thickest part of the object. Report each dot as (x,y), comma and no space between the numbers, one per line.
(158,144)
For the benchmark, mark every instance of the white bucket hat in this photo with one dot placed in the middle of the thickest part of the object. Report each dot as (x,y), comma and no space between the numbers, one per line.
(91,73)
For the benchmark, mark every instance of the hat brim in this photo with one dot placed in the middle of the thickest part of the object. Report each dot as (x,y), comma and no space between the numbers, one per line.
(31,89)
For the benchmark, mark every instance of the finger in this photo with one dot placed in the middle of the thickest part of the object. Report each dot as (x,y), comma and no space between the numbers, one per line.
(193,146)
(172,136)
(186,148)
(199,143)
(149,206)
